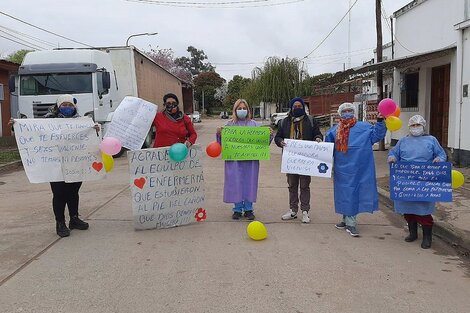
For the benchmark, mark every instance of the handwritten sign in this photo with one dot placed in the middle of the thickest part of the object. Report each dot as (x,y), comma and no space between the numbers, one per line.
(415,181)
(166,193)
(131,122)
(245,143)
(59,149)
(309,158)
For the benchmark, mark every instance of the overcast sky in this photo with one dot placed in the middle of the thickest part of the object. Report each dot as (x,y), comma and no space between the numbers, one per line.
(227,35)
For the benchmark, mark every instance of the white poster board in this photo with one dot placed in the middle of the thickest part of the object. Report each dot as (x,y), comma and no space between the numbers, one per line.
(131,122)
(308,158)
(59,149)
(166,193)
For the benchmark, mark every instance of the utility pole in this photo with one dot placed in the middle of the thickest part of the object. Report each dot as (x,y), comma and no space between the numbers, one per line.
(378,26)
(349,35)
(202,113)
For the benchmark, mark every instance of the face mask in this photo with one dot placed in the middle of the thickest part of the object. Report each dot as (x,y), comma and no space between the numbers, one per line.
(347,115)
(67,111)
(298,112)
(417,131)
(171,108)
(242,113)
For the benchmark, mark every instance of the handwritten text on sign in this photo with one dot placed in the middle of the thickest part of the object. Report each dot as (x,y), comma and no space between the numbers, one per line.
(309,158)
(245,143)
(131,122)
(59,149)
(414,181)
(166,193)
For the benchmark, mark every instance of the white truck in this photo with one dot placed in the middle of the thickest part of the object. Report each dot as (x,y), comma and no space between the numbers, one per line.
(98,78)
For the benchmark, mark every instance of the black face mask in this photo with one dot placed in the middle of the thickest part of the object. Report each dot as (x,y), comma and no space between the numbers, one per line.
(171,108)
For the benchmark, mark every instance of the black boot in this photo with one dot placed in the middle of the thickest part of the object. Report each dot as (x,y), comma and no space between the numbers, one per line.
(427,237)
(77,223)
(62,229)
(413,228)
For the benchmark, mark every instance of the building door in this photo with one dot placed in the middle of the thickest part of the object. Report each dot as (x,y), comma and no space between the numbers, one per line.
(440,88)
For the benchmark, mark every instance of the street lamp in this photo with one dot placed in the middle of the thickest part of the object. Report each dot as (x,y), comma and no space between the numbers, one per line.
(136,35)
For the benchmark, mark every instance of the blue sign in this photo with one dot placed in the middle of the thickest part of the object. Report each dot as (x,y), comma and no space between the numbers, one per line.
(416,181)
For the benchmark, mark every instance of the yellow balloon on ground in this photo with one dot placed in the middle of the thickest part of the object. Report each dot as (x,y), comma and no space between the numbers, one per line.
(108,162)
(257,231)
(457,179)
(393,123)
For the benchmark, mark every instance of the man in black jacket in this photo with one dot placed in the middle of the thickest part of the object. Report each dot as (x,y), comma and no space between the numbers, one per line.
(298,125)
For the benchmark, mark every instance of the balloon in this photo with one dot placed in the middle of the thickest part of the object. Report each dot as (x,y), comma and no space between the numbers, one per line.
(386,107)
(110,146)
(393,123)
(397,112)
(178,152)
(457,179)
(256,231)
(108,162)
(213,149)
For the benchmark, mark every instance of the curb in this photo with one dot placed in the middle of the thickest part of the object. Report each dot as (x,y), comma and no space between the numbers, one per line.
(12,166)
(453,236)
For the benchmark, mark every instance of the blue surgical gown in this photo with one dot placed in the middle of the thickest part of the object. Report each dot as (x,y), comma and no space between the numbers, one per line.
(417,149)
(355,185)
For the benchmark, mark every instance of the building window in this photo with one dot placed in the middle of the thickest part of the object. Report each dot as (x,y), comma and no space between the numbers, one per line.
(409,92)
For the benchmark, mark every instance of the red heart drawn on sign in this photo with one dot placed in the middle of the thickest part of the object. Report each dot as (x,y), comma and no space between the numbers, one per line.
(98,166)
(139,182)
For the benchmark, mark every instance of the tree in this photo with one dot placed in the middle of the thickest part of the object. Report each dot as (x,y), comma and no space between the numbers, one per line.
(310,83)
(166,59)
(195,63)
(207,82)
(234,89)
(18,56)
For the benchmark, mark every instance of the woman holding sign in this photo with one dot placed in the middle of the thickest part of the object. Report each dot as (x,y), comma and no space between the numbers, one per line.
(417,147)
(172,126)
(241,177)
(355,185)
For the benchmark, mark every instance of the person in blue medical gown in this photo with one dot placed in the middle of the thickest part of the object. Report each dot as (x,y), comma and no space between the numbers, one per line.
(417,147)
(355,185)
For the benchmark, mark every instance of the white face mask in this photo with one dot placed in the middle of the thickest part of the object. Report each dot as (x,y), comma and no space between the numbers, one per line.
(242,113)
(417,131)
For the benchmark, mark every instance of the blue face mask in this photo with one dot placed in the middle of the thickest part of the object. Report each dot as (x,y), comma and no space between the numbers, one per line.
(298,112)
(347,115)
(242,113)
(67,111)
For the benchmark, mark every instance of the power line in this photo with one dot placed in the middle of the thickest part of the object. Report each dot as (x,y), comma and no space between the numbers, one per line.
(27,36)
(207,3)
(45,30)
(19,42)
(24,40)
(211,6)
(326,37)
(384,16)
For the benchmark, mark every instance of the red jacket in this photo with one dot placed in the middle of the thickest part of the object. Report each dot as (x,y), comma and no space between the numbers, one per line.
(170,132)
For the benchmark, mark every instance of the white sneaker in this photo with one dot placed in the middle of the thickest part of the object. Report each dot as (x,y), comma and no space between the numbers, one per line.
(289,215)
(305,217)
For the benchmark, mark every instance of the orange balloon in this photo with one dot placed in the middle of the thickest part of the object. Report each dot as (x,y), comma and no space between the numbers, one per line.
(213,149)
(397,112)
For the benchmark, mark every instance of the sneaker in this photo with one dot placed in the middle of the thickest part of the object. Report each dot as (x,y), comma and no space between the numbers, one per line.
(289,215)
(341,225)
(236,215)
(77,223)
(61,229)
(249,215)
(352,231)
(305,217)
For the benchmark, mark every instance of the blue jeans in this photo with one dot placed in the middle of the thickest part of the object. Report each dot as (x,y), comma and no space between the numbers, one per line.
(243,206)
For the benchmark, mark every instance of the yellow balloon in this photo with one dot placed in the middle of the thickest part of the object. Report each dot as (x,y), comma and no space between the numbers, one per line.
(457,179)
(393,123)
(256,231)
(108,162)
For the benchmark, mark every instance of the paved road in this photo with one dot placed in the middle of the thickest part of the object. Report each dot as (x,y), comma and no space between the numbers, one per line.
(213,266)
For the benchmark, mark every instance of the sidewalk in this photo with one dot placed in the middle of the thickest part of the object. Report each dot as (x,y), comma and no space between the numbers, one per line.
(452,219)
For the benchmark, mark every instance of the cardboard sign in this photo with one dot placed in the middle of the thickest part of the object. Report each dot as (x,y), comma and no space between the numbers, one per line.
(59,149)
(245,143)
(166,193)
(131,122)
(308,158)
(415,181)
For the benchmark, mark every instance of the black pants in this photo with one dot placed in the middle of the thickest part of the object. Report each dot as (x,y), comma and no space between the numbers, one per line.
(65,194)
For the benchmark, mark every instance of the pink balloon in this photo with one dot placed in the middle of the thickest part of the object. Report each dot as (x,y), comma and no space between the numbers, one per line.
(387,107)
(110,146)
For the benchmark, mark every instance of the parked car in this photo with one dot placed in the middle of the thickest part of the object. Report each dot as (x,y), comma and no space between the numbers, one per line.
(224,115)
(196,117)
(276,117)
